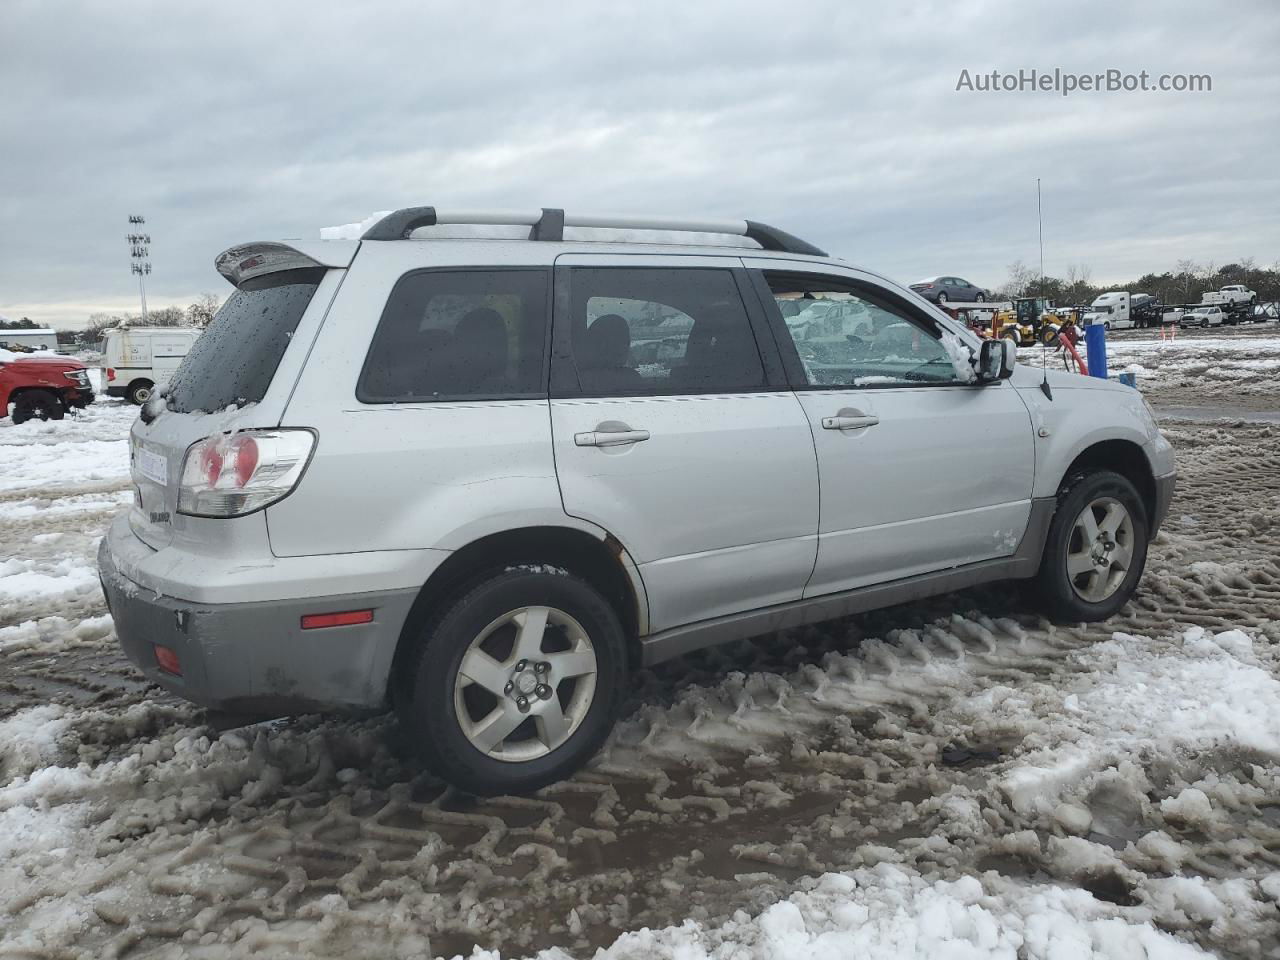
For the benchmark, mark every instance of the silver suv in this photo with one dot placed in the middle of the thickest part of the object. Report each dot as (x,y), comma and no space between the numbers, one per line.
(482,480)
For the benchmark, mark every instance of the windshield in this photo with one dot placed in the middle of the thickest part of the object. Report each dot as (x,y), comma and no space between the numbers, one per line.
(1101,308)
(236,357)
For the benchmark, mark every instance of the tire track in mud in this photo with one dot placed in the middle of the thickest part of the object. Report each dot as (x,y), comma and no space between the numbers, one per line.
(738,771)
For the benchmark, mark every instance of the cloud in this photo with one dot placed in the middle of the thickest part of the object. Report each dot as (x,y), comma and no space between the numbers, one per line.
(838,121)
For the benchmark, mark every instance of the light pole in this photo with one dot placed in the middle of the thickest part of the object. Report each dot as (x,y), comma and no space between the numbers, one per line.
(139,251)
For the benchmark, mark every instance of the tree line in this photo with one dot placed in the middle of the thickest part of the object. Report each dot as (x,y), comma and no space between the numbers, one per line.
(197,314)
(1185,283)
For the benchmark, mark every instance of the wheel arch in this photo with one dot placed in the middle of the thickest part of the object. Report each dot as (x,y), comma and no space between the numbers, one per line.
(602,561)
(1126,458)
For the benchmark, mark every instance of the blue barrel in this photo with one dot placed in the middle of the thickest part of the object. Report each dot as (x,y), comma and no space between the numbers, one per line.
(1095,342)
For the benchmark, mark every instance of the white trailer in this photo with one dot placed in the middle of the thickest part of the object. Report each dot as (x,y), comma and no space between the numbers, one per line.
(139,359)
(32,339)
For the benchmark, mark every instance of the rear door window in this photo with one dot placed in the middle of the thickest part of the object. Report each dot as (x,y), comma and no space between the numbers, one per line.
(460,334)
(235,358)
(649,330)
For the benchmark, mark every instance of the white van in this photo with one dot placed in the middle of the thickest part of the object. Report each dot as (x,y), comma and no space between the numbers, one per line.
(139,359)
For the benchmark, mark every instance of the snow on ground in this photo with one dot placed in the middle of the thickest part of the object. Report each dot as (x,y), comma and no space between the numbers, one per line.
(88,447)
(1197,366)
(955,778)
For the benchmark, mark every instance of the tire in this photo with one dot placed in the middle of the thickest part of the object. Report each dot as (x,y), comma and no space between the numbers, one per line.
(37,405)
(445,712)
(1106,325)
(139,392)
(1077,582)
(942,297)
(980,298)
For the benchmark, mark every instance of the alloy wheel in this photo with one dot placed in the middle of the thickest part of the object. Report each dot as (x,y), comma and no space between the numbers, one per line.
(525,684)
(1100,549)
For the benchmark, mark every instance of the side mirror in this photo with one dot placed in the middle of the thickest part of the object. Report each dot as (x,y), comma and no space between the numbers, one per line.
(996,360)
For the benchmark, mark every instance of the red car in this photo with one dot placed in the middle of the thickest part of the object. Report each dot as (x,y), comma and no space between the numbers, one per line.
(42,386)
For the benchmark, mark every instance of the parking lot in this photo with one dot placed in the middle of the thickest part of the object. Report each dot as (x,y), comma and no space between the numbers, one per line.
(1118,783)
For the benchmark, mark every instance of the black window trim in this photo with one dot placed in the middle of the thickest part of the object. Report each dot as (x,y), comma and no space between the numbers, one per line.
(541,394)
(565,384)
(877,295)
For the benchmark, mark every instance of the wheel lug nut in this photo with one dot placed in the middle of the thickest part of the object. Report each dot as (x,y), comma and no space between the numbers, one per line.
(523,704)
(541,667)
(509,687)
(522,664)
(543,691)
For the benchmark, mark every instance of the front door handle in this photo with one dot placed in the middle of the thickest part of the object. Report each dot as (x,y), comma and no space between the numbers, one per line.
(609,438)
(843,422)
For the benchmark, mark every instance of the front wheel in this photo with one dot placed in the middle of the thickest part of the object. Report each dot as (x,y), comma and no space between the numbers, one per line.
(518,683)
(980,298)
(37,405)
(942,298)
(1096,548)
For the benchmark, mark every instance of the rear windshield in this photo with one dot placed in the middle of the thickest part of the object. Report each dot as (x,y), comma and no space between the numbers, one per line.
(237,355)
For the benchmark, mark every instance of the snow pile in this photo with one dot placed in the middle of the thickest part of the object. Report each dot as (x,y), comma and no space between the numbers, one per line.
(86,447)
(352,231)
(888,913)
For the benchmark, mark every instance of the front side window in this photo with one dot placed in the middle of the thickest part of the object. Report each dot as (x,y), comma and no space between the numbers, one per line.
(659,330)
(466,334)
(846,337)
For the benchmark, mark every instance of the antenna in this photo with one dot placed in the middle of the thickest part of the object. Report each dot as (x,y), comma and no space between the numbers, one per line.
(1040,221)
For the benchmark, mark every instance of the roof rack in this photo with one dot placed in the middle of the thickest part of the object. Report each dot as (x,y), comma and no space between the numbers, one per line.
(548,223)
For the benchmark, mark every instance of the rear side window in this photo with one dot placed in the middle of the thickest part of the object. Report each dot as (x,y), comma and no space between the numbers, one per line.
(467,334)
(234,360)
(651,330)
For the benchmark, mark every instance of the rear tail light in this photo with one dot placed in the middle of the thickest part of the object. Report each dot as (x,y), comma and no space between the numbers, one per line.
(229,475)
(111,373)
(167,660)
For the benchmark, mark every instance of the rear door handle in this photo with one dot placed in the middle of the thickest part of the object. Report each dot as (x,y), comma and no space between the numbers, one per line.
(609,438)
(848,423)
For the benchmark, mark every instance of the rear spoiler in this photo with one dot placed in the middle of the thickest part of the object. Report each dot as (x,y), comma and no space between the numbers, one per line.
(249,260)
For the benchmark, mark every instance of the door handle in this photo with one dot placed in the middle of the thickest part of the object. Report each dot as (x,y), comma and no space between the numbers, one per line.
(609,438)
(848,423)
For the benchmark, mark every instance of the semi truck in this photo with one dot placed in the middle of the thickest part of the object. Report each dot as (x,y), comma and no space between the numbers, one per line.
(1121,310)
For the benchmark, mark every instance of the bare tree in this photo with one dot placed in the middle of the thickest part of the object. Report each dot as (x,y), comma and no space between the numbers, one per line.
(201,312)
(1020,279)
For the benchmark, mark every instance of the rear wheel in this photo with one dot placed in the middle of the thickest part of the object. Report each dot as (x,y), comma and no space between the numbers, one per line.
(139,391)
(1096,549)
(980,298)
(942,297)
(37,405)
(518,683)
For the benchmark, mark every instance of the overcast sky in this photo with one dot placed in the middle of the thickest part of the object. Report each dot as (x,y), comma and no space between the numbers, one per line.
(837,121)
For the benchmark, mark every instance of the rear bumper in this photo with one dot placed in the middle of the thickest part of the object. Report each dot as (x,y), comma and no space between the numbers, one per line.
(255,657)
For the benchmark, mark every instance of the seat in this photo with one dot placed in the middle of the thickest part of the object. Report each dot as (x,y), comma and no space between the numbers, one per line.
(603,357)
(721,354)
(477,358)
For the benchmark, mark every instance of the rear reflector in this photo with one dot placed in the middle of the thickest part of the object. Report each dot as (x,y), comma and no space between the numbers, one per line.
(313,621)
(167,660)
